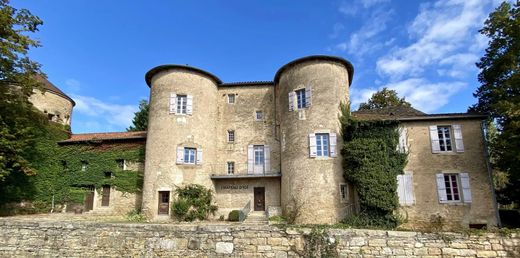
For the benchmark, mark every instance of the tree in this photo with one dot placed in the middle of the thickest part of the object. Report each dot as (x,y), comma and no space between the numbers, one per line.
(17,80)
(499,93)
(140,121)
(384,98)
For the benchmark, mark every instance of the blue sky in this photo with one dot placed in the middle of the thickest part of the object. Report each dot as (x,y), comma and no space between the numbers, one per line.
(98,51)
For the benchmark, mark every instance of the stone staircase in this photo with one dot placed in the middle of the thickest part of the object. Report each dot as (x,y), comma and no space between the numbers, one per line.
(256,218)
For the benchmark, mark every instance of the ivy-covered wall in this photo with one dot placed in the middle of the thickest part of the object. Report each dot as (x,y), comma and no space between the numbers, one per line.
(59,175)
(372,163)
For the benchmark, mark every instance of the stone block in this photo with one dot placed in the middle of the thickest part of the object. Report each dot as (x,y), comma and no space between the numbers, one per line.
(377,242)
(224,248)
(486,253)
(263,248)
(450,251)
(357,241)
(274,241)
(193,244)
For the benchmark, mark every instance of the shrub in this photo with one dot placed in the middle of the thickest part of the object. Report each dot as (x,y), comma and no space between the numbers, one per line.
(135,215)
(193,202)
(234,215)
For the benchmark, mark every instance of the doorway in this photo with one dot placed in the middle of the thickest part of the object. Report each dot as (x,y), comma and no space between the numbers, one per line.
(105,199)
(259,198)
(164,203)
(89,198)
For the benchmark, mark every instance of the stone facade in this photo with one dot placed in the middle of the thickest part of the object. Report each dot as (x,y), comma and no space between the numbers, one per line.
(258,116)
(424,165)
(52,102)
(90,239)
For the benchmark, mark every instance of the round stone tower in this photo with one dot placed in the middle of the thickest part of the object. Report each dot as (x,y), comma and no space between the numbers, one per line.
(311,183)
(182,116)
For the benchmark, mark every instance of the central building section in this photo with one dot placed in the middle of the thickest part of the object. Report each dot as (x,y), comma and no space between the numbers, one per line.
(270,146)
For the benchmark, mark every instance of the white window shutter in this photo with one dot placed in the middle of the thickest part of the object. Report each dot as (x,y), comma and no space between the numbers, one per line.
(189,104)
(434,137)
(199,156)
(441,188)
(403,141)
(466,191)
(308,97)
(250,159)
(400,189)
(291,100)
(173,103)
(408,189)
(332,142)
(457,132)
(267,159)
(312,145)
(180,155)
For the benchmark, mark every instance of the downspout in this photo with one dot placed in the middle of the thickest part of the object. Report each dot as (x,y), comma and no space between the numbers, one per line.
(490,171)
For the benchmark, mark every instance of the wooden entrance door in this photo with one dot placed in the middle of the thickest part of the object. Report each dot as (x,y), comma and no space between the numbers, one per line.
(105,200)
(259,198)
(164,203)
(89,198)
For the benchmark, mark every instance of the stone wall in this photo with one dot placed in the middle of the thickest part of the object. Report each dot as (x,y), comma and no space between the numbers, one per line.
(424,165)
(90,239)
(54,105)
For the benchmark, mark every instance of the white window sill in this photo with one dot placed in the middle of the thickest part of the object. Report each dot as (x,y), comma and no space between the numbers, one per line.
(322,157)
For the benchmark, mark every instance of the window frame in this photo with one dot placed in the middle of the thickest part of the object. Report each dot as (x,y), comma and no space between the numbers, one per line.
(231,136)
(260,159)
(301,98)
(343,193)
(449,188)
(190,153)
(121,164)
(182,104)
(84,166)
(322,148)
(261,113)
(444,132)
(231,98)
(230,167)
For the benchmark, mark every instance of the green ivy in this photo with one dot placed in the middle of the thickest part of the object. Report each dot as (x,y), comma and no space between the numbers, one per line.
(372,163)
(193,202)
(58,172)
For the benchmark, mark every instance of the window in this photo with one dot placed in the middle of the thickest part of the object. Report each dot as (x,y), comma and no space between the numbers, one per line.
(108,174)
(343,192)
(231,168)
(84,166)
(444,138)
(453,187)
(189,155)
(258,159)
(259,154)
(322,144)
(64,165)
(300,99)
(443,141)
(231,136)
(259,115)
(231,98)
(121,164)
(182,102)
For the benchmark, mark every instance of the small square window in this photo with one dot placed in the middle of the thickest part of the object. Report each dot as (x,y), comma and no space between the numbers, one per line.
(84,166)
(189,155)
(121,164)
(231,98)
(259,115)
(231,136)
(108,174)
(231,168)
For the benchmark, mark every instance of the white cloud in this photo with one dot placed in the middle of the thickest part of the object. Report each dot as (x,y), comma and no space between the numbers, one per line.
(370,3)
(338,27)
(424,95)
(72,85)
(364,40)
(439,32)
(112,115)
(358,96)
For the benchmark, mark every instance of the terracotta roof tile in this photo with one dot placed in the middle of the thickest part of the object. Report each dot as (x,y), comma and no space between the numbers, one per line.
(105,136)
(409,114)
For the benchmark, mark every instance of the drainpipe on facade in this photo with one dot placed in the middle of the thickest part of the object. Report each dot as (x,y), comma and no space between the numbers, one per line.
(490,171)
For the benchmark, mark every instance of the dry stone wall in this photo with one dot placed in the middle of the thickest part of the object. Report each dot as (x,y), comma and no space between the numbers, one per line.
(93,239)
